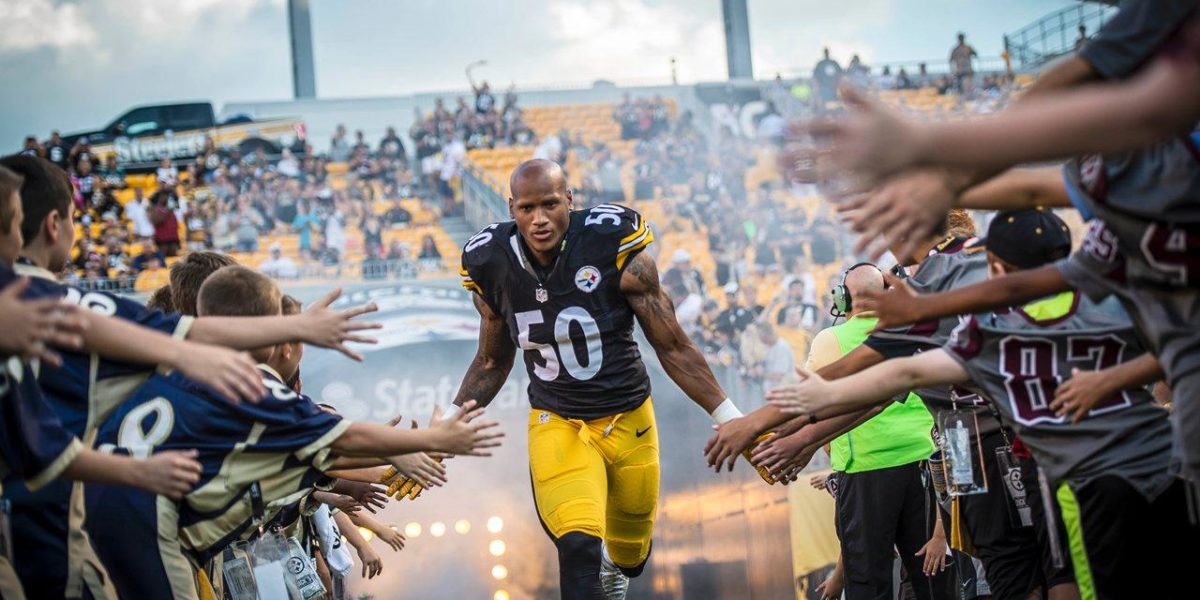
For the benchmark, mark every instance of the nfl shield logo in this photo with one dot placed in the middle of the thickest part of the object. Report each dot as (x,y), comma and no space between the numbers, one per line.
(541,294)
(587,278)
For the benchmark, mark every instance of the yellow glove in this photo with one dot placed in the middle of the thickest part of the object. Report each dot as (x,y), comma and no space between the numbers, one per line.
(762,471)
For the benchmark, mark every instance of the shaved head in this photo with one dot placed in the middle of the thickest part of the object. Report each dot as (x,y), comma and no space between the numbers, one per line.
(541,206)
(864,278)
(536,176)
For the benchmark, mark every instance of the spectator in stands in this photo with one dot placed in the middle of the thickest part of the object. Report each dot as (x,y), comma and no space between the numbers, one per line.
(372,231)
(166,174)
(923,79)
(793,301)
(113,174)
(137,210)
(771,126)
(334,238)
(688,307)
(150,257)
(779,364)
(199,223)
(887,81)
(827,74)
(485,102)
(612,189)
(288,166)
(400,260)
(903,81)
(166,223)
(304,224)
(85,183)
(1082,39)
(246,226)
(962,65)
(81,152)
(453,157)
(681,270)
(735,318)
(279,266)
(391,146)
(430,257)
(626,114)
(550,148)
(360,143)
(397,215)
(56,151)
(31,147)
(428,146)
(857,71)
(339,146)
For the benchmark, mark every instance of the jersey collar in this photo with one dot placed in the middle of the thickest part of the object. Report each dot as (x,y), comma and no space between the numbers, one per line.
(24,266)
(1051,309)
(269,370)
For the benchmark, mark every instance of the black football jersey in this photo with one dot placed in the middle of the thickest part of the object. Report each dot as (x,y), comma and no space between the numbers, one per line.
(572,322)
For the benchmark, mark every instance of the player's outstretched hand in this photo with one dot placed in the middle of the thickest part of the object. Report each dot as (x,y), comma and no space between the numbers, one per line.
(873,141)
(731,438)
(421,468)
(333,329)
(30,326)
(170,473)
(369,495)
(232,374)
(804,398)
(817,481)
(895,306)
(899,213)
(1081,393)
(462,434)
(785,456)
(391,537)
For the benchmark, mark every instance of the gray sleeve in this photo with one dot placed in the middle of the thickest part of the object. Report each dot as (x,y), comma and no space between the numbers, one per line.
(1087,274)
(1134,34)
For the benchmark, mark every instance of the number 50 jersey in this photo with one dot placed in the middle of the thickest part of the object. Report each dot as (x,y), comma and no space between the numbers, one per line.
(572,322)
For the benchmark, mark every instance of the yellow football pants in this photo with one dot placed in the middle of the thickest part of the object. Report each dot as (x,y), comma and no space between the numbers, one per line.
(598,477)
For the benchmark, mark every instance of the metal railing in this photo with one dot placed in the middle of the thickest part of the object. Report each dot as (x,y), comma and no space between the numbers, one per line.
(482,204)
(1054,34)
(367,269)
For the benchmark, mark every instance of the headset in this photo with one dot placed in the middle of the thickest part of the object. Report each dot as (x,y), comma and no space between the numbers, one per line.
(842,302)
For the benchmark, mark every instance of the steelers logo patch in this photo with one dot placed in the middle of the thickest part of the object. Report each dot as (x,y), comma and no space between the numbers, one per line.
(587,278)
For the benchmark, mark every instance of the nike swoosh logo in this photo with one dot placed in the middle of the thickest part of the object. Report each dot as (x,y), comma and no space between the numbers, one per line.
(643,432)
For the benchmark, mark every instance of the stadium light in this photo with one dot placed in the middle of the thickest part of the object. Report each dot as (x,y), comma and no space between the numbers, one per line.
(499,571)
(366,534)
(412,530)
(462,526)
(500,595)
(495,524)
(437,529)
(497,548)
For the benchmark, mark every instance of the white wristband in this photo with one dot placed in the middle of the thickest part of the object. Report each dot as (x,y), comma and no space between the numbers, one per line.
(726,411)
(451,412)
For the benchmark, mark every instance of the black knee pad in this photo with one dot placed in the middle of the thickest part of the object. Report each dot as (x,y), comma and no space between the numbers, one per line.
(579,566)
(636,571)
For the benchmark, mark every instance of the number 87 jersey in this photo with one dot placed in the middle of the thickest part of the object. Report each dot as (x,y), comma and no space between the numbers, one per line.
(571,321)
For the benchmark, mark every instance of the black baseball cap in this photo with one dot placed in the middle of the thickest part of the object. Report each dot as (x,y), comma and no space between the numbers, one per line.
(1028,238)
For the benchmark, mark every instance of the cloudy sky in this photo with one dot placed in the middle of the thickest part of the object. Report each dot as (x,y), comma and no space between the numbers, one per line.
(76,64)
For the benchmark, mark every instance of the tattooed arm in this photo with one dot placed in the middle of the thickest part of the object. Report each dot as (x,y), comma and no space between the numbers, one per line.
(679,356)
(493,360)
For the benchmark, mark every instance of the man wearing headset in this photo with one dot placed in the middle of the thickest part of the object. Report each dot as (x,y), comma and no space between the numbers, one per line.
(882,502)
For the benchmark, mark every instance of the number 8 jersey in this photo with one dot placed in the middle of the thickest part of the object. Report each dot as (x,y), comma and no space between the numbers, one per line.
(571,321)
(1018,358)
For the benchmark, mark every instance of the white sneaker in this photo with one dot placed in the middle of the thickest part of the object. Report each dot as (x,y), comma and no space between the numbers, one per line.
(614,582)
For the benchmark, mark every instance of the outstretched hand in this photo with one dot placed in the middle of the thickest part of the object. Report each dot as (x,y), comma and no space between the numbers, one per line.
(461,436)
(803,398)
(333,329)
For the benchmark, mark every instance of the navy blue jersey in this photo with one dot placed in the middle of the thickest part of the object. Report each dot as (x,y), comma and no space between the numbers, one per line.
(257,458)
(87,386)
(33,444)
(573,324)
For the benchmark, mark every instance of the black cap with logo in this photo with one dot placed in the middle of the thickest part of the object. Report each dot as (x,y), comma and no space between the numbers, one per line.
(1028,238)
